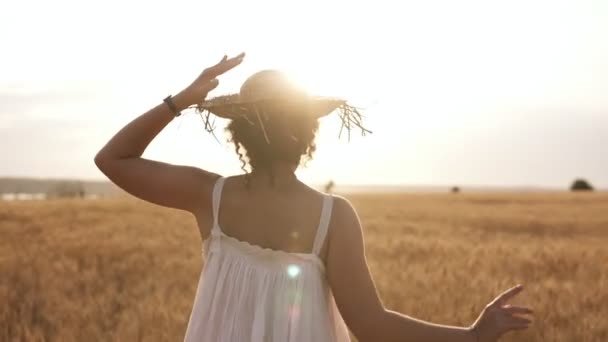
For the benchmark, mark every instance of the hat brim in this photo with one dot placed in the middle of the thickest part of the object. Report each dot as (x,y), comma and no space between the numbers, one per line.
(230,106)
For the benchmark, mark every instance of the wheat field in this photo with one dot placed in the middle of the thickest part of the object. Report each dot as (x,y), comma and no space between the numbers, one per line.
(126,270)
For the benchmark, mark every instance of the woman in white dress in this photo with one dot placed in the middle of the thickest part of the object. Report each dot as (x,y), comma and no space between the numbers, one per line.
(283,262)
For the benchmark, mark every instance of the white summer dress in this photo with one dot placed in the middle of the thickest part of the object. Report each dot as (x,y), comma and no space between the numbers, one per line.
(250,293)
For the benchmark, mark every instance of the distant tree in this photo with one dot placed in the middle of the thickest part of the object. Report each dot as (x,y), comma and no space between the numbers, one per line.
(329,187)
(581,185)
(67,189)
(455,190)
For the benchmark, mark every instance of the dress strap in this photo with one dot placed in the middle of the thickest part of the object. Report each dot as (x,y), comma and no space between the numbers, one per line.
(328,201)
(216,198)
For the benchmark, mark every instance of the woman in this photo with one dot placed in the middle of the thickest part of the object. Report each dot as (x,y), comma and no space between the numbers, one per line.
(283,261)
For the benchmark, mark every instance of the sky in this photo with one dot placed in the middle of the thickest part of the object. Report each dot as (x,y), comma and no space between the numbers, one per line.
(494,93)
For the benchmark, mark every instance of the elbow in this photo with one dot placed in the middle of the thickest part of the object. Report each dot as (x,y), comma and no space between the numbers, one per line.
(367,337)
(382,326)
(370,335)
(371,328)
(101,161)
(97,160)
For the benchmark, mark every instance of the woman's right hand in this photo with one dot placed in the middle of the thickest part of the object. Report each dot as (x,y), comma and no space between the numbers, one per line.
(498,318)
(197,91)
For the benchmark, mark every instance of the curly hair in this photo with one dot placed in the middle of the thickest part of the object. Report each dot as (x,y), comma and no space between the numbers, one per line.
(262,142)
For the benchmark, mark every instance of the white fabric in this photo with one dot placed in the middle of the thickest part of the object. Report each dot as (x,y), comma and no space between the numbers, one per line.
(250,293)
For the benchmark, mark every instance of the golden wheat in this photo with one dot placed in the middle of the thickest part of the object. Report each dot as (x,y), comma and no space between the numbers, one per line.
(126,270)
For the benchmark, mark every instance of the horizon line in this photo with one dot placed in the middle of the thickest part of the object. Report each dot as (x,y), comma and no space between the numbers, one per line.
(350,185)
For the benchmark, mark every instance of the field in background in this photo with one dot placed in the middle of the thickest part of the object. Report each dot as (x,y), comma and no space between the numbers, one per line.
(126,270)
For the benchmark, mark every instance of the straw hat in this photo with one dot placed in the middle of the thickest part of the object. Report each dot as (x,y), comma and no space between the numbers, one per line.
(271,91)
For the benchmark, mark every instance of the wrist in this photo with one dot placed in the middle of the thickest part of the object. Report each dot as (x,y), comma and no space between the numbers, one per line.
(181,100)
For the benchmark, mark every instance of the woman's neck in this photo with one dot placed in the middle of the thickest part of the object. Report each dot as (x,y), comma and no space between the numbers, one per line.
(280,176)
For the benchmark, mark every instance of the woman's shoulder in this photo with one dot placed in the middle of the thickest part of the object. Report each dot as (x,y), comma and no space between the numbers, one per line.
(343,211)
(341,203)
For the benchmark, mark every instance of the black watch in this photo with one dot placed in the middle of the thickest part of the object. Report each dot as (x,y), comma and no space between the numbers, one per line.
(169,101)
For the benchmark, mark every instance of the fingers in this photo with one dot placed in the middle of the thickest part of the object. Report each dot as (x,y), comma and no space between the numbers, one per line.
(224,65)
(212,84)
(512,309)
(505,296)
(228,64)
(510,321)
(515,322)
(519,320)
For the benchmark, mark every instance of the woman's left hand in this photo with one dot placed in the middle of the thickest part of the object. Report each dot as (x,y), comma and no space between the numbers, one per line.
(197,91)
(498,317)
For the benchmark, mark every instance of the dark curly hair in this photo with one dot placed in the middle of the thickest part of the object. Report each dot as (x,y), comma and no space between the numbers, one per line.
(273,137)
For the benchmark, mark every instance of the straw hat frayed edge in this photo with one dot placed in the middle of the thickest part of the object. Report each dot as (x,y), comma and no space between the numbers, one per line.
(231,107)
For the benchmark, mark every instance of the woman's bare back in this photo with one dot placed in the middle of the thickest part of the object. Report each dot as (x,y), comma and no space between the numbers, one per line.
(283,218)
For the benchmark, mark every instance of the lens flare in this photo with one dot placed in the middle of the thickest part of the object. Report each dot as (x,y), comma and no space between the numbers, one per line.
(293,271)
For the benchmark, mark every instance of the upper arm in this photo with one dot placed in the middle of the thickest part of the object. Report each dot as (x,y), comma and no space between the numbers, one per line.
(175,186)
(348,273)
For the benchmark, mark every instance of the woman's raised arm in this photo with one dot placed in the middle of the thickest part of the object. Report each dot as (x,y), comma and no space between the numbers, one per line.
(174,186)
(360,306)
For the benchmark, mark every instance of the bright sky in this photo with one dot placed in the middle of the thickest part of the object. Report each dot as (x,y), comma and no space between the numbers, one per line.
(456,92)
